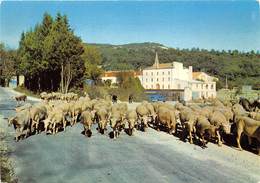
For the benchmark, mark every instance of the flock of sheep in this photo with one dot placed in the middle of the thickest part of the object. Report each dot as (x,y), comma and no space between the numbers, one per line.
(203,123)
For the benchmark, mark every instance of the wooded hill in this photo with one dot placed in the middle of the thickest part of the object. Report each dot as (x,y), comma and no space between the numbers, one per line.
(240,68)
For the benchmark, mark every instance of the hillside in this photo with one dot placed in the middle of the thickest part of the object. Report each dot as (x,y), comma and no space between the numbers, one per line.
(240,68)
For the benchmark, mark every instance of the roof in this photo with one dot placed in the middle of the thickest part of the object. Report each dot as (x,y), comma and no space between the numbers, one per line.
(196,74)
(116,73)
(161,66)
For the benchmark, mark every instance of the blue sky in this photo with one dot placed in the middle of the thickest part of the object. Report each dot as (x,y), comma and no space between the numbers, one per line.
(184,24)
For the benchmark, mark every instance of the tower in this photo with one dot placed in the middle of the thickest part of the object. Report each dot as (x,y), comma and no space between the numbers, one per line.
(156,61)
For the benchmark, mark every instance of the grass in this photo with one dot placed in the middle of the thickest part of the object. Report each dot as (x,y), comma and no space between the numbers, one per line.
(27,92)
(233,95)
(6,167)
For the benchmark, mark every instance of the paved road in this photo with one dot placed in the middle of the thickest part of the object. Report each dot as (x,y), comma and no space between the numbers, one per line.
(146,157)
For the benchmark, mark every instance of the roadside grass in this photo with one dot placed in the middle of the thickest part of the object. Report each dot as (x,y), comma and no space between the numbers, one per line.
(6,167)
(27,92)
(231,95)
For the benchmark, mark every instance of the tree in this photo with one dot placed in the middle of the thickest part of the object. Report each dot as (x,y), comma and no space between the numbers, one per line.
(52,55)
(7,65)
(92,60)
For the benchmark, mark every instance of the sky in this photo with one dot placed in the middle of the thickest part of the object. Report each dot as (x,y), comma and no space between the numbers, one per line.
(217,25)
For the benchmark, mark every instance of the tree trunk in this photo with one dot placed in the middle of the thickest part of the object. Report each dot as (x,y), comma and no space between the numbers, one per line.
(62,78)
(39,83)
(68,78)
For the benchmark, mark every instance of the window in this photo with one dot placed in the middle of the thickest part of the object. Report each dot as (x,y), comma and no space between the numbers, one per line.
(146,80)
(169,72)
(197,86)
(152,73)
(206,86)
(169,79)
(162,86)
(146,73)
(212,86)
(162,73)
(157,79)
(162,79)
(168,86)
(157,73)
(152,80)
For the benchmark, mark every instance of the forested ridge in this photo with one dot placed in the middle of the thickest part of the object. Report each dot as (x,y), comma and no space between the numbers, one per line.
(240,68)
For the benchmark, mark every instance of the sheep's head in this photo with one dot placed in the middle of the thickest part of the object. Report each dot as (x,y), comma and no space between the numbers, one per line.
(11,121)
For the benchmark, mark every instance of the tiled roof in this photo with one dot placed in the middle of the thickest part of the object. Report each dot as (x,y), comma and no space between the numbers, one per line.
(161,66)
(196,74)
(116,73)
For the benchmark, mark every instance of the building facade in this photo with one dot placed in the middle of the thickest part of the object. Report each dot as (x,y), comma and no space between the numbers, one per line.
(174,76)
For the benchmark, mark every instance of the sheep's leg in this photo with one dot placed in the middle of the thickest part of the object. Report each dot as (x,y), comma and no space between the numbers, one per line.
(17,132)
(190,134)
(64,123)
(219,139)
(53,128)
(249,140)
(239,132)
(85,131)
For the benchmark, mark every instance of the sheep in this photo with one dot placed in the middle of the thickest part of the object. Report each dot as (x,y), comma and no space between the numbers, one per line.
(102,117)
(21,122)
(255,115)
(188,119)
(116,122)
(205,129)
(142,114)
(87,121)
(218,119)
(38,112)
(248,126)
(131,117)
(239,110)
(167,118)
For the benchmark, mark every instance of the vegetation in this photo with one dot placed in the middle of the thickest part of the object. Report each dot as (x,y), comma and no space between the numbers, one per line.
(240,67)
(128,85)
(7,64)
(51,57)
(6,167)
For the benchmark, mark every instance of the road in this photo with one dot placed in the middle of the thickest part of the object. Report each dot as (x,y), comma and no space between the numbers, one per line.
(151,157)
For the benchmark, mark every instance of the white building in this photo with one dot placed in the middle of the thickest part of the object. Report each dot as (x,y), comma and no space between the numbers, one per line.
(174,76)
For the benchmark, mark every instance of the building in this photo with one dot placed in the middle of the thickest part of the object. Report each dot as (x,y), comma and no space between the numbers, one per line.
(172,80)
(114,75)
(174,77)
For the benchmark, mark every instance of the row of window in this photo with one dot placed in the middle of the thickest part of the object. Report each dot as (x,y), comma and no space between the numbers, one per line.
(157,87)
(147,73)
(157,79)
(206,86)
